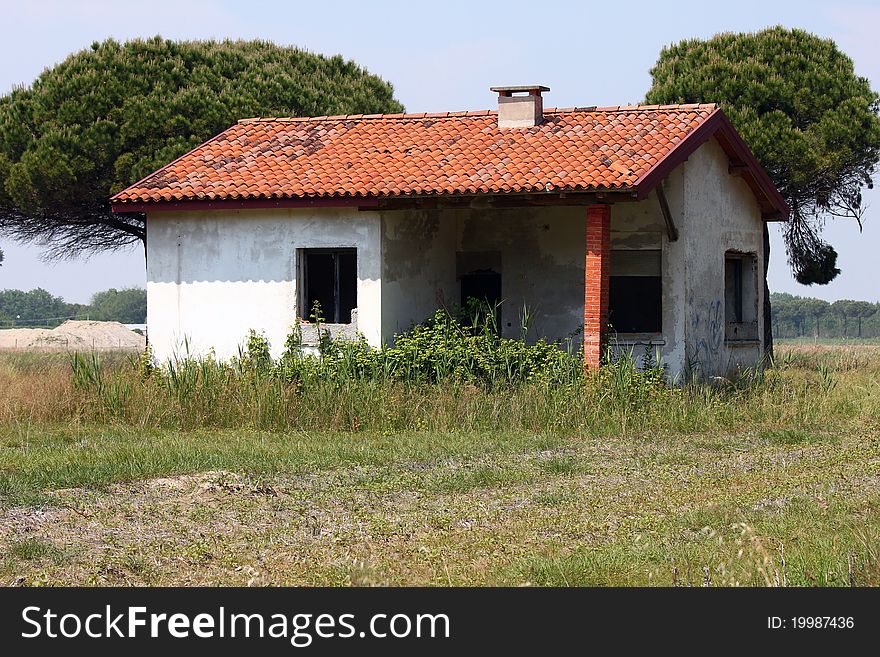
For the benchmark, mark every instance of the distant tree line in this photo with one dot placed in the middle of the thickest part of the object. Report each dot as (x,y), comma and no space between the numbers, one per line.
(39,308)
(795,317)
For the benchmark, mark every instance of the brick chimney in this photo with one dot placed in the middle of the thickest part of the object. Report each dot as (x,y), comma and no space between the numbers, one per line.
(520,111)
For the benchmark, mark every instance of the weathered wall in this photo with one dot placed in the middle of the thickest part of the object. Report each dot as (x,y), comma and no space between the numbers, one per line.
(418,266)
(720,214)
(542,252)
(211,276)
(541,265)
(640,226)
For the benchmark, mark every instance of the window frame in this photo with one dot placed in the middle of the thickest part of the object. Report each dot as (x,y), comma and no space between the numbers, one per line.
(638,336)
(302,282)
(741,313)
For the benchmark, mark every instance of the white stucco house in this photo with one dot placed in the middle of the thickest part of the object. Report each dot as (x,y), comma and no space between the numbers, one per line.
(635,225)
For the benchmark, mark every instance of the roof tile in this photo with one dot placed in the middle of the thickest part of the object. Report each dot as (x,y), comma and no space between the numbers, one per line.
(581,149)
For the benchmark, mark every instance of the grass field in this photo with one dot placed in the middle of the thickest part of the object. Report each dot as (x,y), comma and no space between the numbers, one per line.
(824,341)
(768,481)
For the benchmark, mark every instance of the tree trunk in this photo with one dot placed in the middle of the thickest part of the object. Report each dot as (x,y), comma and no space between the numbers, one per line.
(768,315)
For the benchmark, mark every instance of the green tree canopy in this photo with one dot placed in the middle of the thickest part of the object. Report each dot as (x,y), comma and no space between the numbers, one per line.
(810,120)
(108,116)
(35,307)
(128,305)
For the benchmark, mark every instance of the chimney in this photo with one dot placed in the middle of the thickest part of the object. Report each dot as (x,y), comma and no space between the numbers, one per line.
(522,111)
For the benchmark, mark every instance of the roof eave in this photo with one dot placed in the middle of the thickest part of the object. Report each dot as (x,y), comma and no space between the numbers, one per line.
(559,197)
(773,205)
(122,207)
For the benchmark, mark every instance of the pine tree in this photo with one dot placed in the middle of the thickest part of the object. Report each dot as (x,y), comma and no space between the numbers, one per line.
(107,116)
(810,120)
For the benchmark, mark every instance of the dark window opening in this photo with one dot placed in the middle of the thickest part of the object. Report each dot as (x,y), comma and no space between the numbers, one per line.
(330,279)
(733,292)
(635,294)
(483,286)
(635,304)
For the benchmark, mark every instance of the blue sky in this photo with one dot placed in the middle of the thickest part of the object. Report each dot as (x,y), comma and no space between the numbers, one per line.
(443,56)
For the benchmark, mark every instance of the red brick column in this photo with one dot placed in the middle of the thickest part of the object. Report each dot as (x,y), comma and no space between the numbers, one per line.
(596,282)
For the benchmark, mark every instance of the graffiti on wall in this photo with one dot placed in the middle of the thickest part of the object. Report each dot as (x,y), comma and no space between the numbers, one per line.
(707,331)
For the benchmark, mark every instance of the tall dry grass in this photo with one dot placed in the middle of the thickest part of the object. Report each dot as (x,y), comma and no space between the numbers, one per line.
(808,389)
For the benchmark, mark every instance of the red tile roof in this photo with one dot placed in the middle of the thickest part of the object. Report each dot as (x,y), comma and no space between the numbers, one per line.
(447,153)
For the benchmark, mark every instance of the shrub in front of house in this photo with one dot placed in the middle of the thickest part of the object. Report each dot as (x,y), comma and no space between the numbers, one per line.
(447,347)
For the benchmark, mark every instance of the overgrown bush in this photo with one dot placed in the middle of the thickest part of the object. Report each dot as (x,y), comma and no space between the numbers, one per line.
(446,347)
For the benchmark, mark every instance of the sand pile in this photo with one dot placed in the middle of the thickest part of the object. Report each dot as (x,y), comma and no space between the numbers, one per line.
(74,335)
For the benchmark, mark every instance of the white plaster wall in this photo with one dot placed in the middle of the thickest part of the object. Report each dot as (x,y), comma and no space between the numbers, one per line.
(720,214)
(212,276)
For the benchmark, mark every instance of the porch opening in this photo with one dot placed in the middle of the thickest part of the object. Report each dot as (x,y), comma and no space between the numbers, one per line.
(328,277)
(635,303)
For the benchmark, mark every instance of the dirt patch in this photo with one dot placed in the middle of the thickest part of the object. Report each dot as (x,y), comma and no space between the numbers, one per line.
(73,335)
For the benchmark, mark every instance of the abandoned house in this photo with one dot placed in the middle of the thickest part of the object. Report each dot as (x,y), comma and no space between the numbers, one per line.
(634,226)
